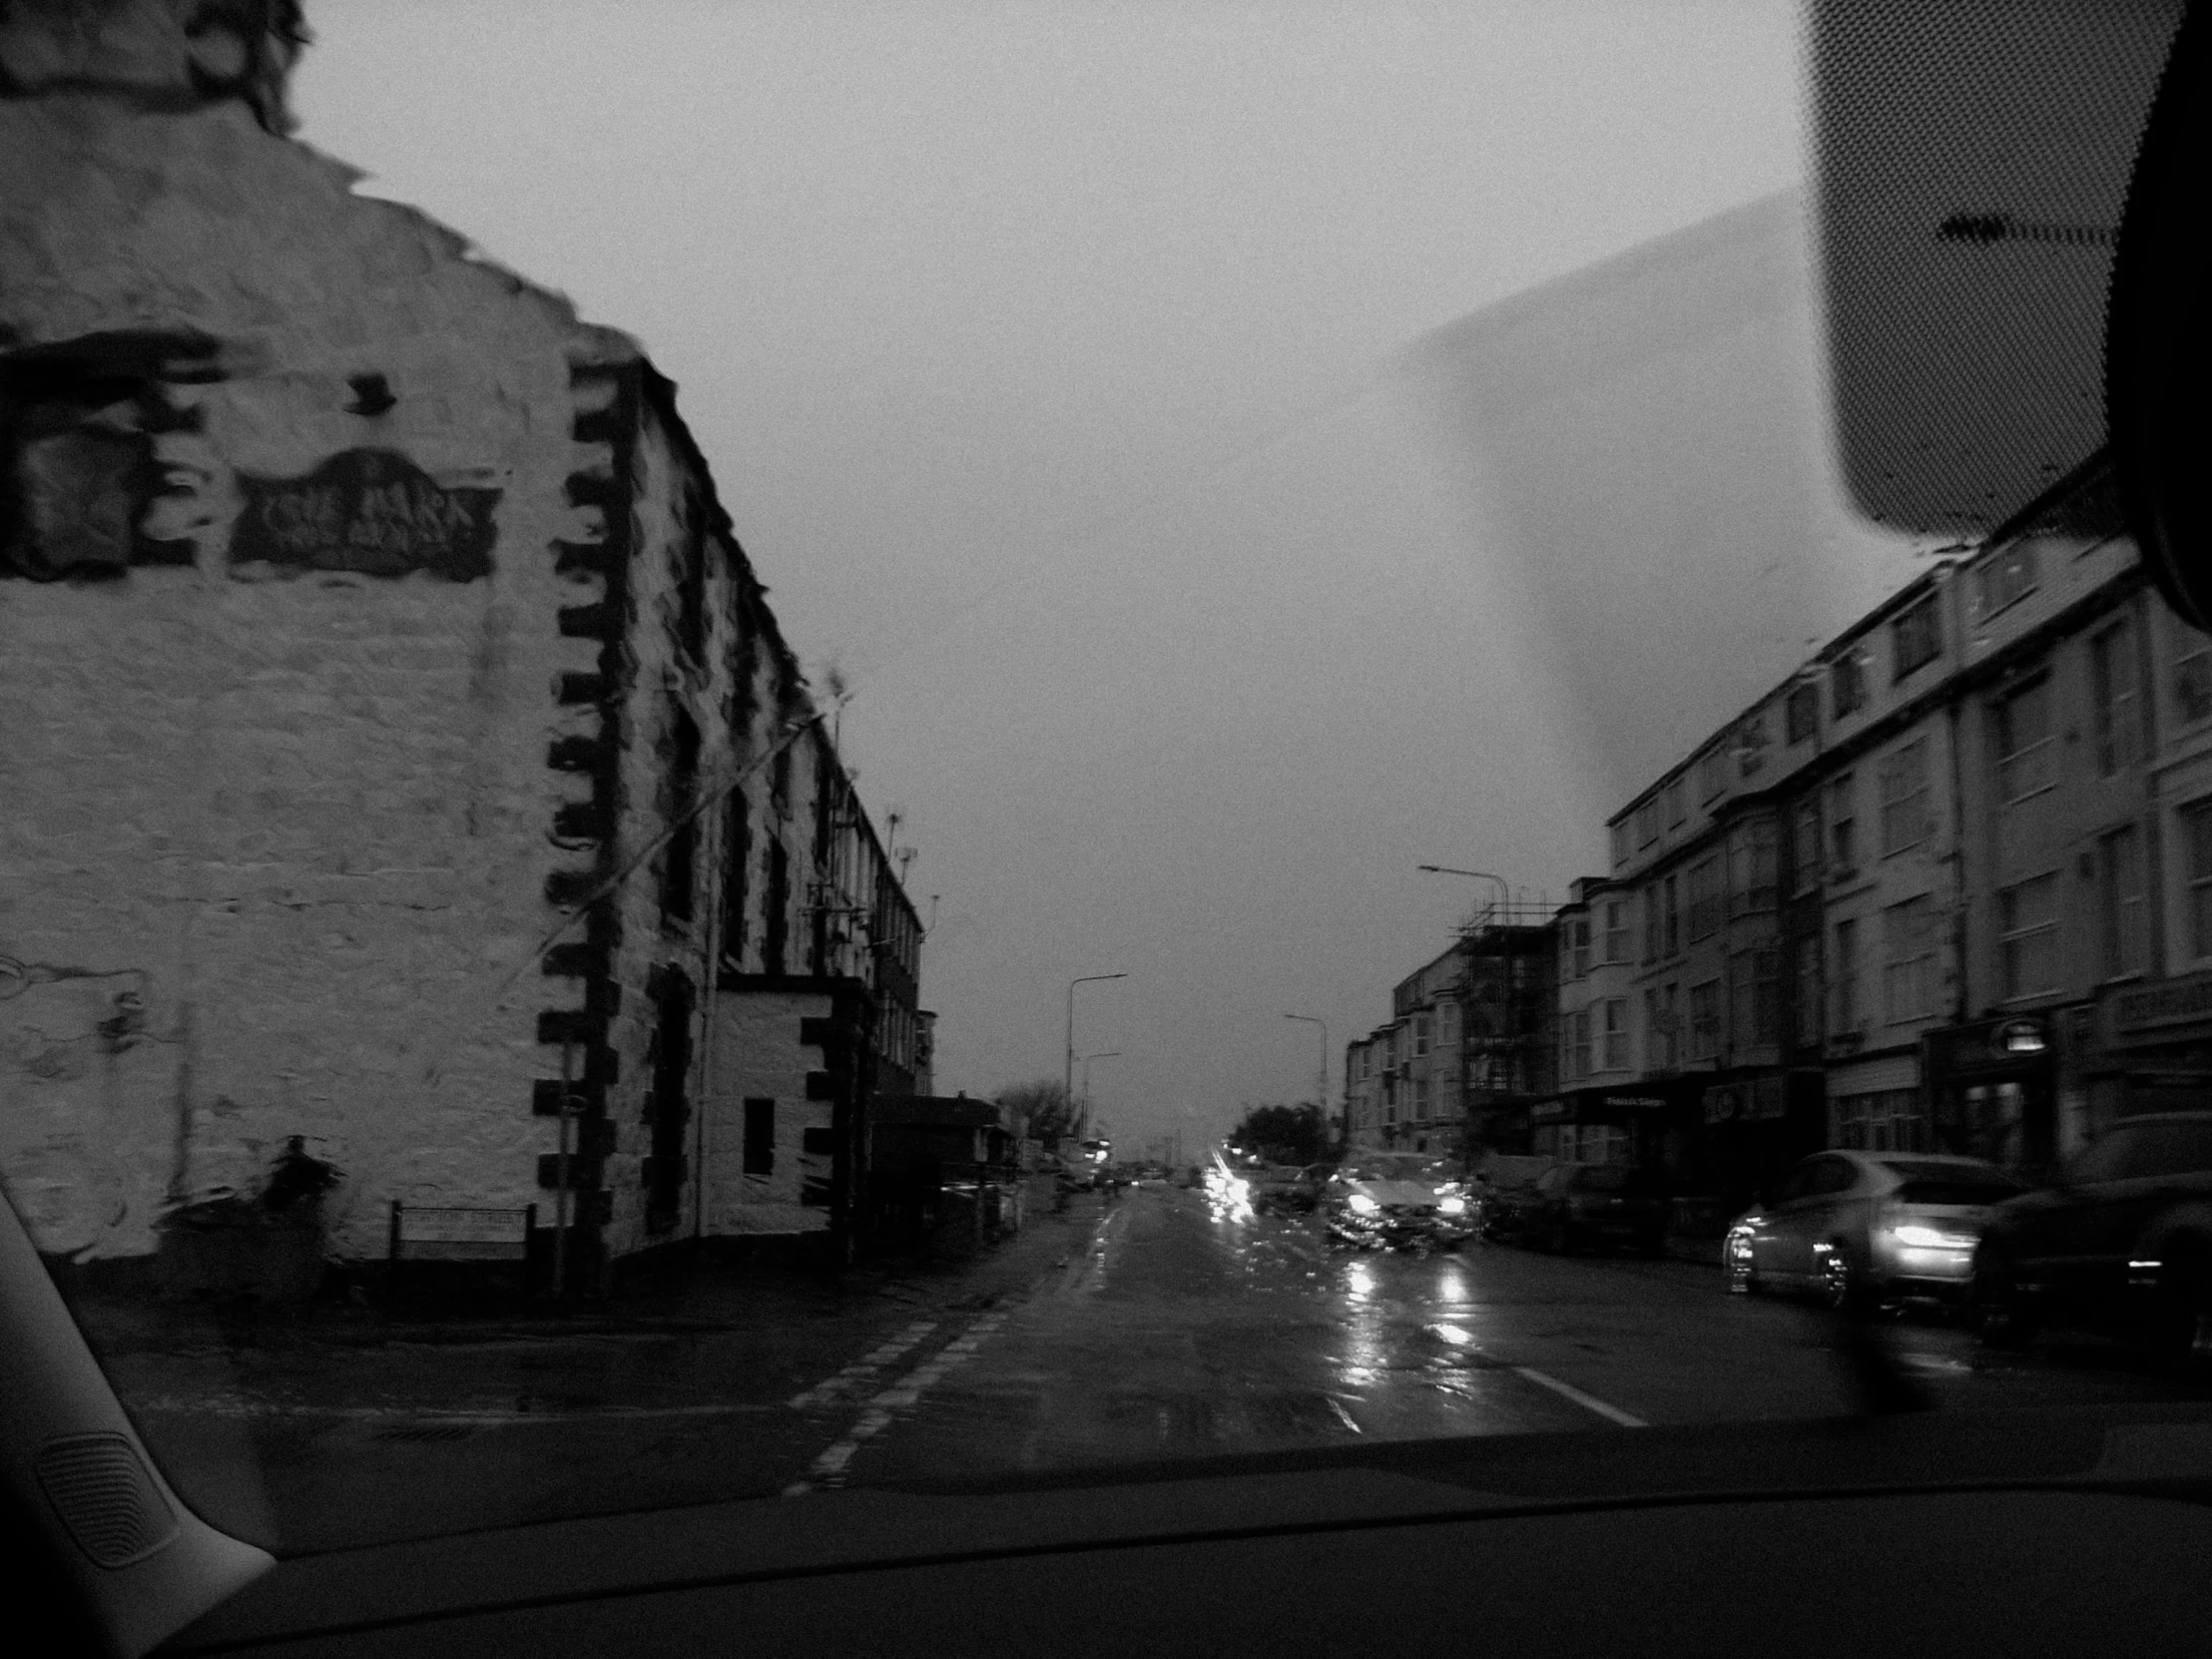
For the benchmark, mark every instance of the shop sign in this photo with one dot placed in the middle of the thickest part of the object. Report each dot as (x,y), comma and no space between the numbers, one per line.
(1763,1097)
(1721,1103)
(2178,1002)
(2017,1037)
(1634,1102)
(1547,1109)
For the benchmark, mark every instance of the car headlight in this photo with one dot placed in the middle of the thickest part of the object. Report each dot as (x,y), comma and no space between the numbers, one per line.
(1451,1204)
(1362,1204)
(1239,1191)
(1927,1238)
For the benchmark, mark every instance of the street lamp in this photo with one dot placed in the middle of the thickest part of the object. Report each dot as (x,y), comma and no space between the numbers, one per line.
(1504,893)
(1067,1083)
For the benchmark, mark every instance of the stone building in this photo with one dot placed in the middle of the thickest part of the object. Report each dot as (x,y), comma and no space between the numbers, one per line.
(404,755)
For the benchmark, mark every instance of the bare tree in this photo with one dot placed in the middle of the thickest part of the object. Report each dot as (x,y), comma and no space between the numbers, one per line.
(1042,1106)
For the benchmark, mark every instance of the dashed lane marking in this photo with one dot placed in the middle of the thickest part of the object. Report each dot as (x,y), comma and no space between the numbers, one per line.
(863,1370)
(1589,1403)
(829,1469)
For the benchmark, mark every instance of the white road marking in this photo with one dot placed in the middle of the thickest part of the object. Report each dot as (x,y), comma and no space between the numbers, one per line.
(1589,1403)
(863,1369)
(1344,1416)
(907,1393)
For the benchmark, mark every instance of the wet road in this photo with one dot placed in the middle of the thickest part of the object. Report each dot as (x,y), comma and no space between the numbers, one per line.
(1151,1329)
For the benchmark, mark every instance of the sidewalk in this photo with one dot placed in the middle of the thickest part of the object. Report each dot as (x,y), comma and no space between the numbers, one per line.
(709,1297)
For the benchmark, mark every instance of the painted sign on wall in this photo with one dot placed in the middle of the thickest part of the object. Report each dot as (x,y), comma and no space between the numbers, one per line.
(366,510)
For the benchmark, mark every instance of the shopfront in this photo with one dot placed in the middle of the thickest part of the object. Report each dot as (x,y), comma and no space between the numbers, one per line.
(1750,1128)
(1993,1088)
(1638,1125)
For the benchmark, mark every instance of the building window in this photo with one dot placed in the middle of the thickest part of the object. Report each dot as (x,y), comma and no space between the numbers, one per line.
(1447,1024)
(1845,971)
(1662,1029)
(1751,745)
(1614,1056)
(1705,1021)
(1574,1059)
(2124,905)
(1847,685)
(1706,900)
(1574,959)
(1842,825)
(760,1137)
(1647,822)
(1421,1035)
(1751,872)
(1620,843)
(1654,924)
(1421,1100)
(1677,803)
(2117,705)
(1905,813)
(1712,774)
(2026,747)
(2196,824)
(1805,847)
(2193,674)
(1908,960)
(2027,936)
(1914,638)
(1809,990)
(1670,940)
(1616,930)
(1757,1014)
(1888,1120)
(1801,713)
(2007,576)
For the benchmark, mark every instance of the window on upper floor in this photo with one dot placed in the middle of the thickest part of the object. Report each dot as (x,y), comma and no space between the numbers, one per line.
(1805,847)
(1705,1021)
(1708,903)
(1421,1035)
(2192,675)
(1801,713)
(1843,966)
(2027,936)
(1914,638)
(1616,930)
(2116,698)
(1711,772)
(1810,994)
(1842,825)
(2026,747)
(1670,936)
(1647,822)
(1750,868)
(1613,1050)
(2123,901)
(1675,803)
(1751,745)
(1906,817)
(1756,993)
(1621,848)
(1847,685)
(2196,834)
(2006,576)
(1653,924)
(1909,950)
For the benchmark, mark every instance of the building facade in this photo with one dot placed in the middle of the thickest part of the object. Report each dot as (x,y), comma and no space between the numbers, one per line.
(405,758)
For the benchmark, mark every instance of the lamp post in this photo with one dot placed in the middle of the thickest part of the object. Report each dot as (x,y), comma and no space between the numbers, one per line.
(1067,1083)
(1504,898)
(1322,1076)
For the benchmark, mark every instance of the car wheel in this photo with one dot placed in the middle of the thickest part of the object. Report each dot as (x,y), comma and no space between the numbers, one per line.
(1996,1307)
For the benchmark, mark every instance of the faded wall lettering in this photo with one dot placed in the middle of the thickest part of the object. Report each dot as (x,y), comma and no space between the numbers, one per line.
(366,510)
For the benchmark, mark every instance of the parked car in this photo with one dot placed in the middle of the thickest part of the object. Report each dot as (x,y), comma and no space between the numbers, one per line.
(1396,1201)
(2124,1238)
(1868,1227)
(1499,1180)
(1571,1206)
(1275,1187)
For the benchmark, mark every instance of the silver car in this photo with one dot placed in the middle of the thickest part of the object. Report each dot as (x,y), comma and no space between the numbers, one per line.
(1864,1227)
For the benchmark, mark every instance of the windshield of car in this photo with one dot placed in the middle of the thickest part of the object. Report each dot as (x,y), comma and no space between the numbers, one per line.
(678,676)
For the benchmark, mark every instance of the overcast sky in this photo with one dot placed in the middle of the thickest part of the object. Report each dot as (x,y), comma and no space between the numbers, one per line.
(1120,395)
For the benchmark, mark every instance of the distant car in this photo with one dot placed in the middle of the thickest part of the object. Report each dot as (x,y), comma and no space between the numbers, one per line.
(1575,1206)
(1868,1227)
(1396,1201)
(2124,1238)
